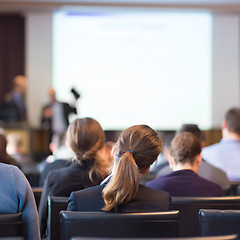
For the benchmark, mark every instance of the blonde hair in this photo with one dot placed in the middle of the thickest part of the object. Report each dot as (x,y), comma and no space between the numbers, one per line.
(85,137)
(136,149)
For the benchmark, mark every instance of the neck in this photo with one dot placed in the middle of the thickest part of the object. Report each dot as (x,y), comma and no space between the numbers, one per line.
(186,166)
(230,135)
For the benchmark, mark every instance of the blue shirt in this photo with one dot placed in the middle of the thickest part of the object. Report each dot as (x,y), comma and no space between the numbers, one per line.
(226,156)
(16,196)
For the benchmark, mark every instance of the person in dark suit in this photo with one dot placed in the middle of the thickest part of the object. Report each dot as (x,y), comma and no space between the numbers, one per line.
(85,137)
(55,115)
(13,107)
(185,161)
(136,149)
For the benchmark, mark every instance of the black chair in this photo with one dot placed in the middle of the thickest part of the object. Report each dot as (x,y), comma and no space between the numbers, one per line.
(119,225)
(11,225)
(12,238)
(55,205)
(37,192)
(189,208)
(219,222)
(227,237)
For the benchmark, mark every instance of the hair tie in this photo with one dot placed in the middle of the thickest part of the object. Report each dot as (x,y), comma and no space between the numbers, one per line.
(131,151)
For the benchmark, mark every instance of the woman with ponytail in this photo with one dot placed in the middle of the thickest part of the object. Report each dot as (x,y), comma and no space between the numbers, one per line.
(136,149)
(85,138)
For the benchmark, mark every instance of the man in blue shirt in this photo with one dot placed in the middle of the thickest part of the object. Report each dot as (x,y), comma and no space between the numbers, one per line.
(226,154)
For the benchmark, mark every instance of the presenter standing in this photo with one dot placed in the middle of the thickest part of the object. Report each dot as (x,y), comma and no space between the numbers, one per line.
(55,115)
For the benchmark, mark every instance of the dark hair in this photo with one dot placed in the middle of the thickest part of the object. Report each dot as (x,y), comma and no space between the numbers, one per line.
(194,129)
(136,149)
(4,157)
(233,120)
(85,137)
(185,147)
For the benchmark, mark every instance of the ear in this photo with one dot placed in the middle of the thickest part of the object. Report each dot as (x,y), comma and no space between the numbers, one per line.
(224,124)
(113,151)
(171,161)
(199,159)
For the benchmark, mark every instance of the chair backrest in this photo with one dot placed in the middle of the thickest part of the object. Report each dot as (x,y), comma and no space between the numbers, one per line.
(123,225)
(10,224)
(11,238)
(190,206)
(226,237)
(37,192)
(219,222)
(55,205)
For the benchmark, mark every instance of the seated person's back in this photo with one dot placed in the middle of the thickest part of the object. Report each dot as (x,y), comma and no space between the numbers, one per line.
(17,196)
(136,149)
(86,138)
(185,160)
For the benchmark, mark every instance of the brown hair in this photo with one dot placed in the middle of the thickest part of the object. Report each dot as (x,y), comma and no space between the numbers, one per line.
(136,149)
(233,120)
(185,147)
(85,137)
(4,157)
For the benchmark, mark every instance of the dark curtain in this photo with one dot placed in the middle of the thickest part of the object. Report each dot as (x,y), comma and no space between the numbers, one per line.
(12,50)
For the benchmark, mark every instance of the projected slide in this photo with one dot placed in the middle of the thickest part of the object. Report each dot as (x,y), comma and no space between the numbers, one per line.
(135,66)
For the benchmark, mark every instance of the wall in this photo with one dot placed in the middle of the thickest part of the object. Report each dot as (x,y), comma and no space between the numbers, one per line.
(38,62)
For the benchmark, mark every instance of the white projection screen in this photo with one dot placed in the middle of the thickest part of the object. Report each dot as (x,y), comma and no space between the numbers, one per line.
(135,65)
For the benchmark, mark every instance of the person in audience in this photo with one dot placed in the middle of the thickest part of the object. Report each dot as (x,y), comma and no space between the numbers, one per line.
(185,161)
(136,149)
(4,157)
(17,196)
(205,170)
(55,115)
(162,166)
(226,154)
(85,137)
(14,106)
(15,149)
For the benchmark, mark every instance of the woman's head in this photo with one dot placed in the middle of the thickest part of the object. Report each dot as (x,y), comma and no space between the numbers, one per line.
(141,143)
(85,137)
(185,147)
(136,149)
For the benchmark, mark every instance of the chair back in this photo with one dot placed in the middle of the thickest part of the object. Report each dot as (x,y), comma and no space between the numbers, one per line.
(10,224)
(118,225)
(225,237)
(219,222)
(55,205)
(189,208)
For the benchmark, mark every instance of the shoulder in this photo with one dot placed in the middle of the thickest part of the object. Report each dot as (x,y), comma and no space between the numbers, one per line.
(158,182)
(89,199)
(153,193)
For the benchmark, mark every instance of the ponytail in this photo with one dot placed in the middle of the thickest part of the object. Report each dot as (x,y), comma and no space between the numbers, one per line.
(123,185)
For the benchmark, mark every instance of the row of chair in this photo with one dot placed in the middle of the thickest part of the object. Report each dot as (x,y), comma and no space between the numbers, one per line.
(130,225)
(188,207)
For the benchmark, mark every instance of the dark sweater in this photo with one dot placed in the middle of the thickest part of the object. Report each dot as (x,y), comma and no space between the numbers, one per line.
(186,183)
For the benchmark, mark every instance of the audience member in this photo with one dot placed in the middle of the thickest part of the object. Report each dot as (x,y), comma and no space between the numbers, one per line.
(14,106)
(17,196)
(55,115)
(226,154)
(136,149)
(15,149)
(85,137)
(162,166)
(4,157)
(205,170)
(185,160)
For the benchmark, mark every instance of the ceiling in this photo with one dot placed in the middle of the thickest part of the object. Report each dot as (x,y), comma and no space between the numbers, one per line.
(51,5)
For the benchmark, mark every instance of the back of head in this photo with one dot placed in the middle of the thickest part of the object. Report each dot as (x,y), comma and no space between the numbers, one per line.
(232,118)
(136,149)
(185,147)
(85,137)
(192,128)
